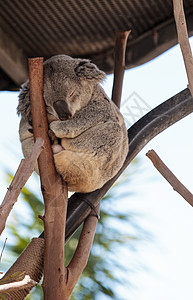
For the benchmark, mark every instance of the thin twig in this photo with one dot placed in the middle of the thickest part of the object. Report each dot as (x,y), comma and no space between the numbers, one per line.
(183,40)
(170,177)
(22,174)
(119,65)
(27,282)
(3,249)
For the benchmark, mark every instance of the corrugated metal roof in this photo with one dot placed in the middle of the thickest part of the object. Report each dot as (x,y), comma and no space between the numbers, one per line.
(86,28)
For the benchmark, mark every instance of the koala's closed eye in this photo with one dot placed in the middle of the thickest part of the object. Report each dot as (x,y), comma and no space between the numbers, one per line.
(72,94)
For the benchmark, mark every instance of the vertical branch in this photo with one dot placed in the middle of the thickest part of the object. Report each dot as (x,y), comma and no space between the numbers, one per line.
(119,65)
(54,192)
(183,40)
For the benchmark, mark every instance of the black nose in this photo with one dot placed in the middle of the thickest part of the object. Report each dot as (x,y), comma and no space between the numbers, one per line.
(61,107)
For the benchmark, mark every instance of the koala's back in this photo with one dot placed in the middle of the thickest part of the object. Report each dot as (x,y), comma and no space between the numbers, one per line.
(103,136)
(96,155)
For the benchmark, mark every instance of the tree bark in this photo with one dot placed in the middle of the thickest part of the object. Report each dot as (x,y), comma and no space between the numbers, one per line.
(119,65)
(170,177)
(53,189)
(183,40)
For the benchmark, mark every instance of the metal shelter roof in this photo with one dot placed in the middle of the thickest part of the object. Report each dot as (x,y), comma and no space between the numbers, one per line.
(83,28)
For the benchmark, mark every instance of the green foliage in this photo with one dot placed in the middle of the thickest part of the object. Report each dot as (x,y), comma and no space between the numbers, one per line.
(104,270)
(2,297)
(14,277)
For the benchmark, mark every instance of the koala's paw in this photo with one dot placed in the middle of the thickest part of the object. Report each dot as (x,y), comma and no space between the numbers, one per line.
(57,128)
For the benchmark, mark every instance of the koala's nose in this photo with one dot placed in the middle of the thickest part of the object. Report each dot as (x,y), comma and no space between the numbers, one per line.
(61,107)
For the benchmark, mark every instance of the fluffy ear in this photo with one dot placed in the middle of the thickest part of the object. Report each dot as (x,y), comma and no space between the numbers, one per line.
(88,71)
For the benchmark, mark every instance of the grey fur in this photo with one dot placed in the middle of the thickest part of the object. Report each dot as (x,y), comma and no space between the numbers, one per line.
(94,141)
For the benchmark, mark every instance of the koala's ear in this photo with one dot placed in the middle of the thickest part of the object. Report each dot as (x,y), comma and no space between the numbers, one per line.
(88,71)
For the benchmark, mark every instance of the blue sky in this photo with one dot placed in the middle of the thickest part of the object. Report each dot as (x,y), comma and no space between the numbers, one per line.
(162,211)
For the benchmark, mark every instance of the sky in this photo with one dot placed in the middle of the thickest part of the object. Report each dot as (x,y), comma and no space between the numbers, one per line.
(167,264)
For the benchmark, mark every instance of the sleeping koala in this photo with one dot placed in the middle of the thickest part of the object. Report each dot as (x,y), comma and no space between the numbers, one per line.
(90,138)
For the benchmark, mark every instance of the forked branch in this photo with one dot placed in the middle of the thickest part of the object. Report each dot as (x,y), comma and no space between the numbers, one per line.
(58,281)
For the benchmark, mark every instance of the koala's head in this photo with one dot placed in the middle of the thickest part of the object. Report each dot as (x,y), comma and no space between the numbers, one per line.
(68,86)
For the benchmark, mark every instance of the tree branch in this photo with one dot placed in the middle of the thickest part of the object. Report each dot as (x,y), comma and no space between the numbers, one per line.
(53,190)
(170,177)
(183,40)
(119,65)
(27,282)
(80,258)
(55,284)
(81,255)
(29,262)
(22,174)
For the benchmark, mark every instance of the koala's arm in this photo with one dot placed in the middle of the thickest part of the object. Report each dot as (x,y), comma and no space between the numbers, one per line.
(86,118)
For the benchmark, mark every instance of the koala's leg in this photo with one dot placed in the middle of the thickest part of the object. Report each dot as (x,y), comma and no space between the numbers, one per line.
(77,169)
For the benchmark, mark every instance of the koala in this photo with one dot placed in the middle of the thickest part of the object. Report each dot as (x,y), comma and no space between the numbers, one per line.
(90,140)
